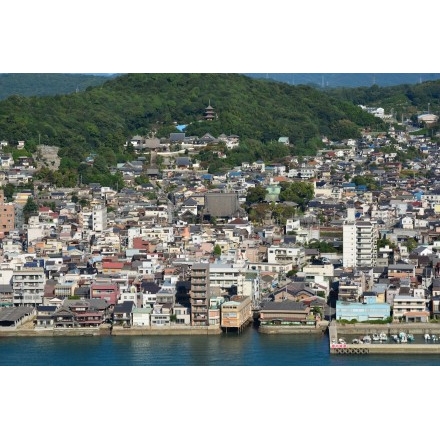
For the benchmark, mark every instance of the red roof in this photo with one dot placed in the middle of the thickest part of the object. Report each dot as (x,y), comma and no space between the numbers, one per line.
(112,265)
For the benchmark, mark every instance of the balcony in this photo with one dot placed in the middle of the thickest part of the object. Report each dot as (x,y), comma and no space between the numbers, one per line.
(199,288)
(200,317)
(199,310)
(199,295)
(198,280)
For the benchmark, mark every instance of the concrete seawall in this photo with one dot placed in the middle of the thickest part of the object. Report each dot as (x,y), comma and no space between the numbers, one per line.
(272,329)
(106,331)
(4,333)
(337,330)
(150,331)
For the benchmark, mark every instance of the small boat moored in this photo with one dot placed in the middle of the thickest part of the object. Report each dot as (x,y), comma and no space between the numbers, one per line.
(403,338)
(383,337)
(366,339)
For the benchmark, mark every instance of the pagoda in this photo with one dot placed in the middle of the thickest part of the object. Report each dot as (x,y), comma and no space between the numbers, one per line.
(209,114)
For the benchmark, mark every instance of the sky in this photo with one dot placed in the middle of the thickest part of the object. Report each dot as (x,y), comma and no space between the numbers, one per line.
(218,37)
(276,36)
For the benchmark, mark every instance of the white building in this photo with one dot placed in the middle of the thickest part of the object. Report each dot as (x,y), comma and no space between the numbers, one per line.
(285,254)
(95,220)
(227,275)
(28,285)
(359,242)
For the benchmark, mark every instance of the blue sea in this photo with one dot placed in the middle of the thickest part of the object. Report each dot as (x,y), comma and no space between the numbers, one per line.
(249,348)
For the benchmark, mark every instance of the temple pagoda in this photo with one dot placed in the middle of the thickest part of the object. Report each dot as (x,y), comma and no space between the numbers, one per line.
(209,114)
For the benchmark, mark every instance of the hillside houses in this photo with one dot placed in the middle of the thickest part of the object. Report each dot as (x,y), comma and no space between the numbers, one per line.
(134,248)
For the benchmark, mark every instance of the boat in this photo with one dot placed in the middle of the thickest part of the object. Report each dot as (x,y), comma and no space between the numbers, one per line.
(375,337)
(410,337)
(366,339)
(403,338)
(427,337)
(434,338)
(355,341)
(383,337)
(395,338)
(342,341)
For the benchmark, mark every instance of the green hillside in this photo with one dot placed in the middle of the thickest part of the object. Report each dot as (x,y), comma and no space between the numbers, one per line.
(137,103)
(44,84)
(101,119)
(402,100)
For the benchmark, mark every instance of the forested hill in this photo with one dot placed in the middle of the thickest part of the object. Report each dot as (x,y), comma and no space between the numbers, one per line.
(43,84)
(106,116)
(348,80)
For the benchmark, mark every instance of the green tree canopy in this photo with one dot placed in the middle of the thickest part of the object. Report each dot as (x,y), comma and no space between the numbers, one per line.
(298,192)
(30,208)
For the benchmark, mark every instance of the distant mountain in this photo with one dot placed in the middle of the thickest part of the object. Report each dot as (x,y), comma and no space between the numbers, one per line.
(48,84)
(332,80)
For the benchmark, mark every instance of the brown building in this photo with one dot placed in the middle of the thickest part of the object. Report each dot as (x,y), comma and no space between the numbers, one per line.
(7,215)
(200,294)
(285,313)
(237,312)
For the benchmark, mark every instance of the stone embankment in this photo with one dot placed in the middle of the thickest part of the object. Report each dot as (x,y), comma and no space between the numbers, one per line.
(166,330)
(320,327)
(28,330)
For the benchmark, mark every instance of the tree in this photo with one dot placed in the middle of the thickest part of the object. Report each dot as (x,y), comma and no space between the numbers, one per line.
(29,208)
(298,192)
(8,191)
(255,195)
(217,250)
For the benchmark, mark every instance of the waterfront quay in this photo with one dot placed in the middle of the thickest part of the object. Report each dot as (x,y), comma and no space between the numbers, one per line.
(319,327)
(26,331)
(338,331)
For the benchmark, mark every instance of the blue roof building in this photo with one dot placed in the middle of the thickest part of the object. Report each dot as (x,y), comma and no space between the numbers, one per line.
(362,312)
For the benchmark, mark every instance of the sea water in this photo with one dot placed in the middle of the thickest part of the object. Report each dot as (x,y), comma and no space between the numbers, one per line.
(249,348)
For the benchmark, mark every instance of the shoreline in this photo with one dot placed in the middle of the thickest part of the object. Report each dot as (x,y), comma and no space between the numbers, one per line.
(107,331)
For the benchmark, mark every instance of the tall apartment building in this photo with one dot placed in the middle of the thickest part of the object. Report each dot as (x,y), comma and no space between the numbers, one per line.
(359,242)
(28,286)
(7,215)
(200,294)
(95,219)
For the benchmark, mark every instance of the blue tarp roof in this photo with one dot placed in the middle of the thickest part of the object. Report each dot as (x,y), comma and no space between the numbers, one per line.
(181,127)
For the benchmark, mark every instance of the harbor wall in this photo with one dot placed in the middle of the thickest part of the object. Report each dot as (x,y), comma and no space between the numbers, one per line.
(168,330)
(336,330)
(24,332)
(320,327)
(107,331)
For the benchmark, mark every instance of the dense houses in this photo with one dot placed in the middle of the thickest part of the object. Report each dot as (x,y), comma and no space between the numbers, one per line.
(191,256)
